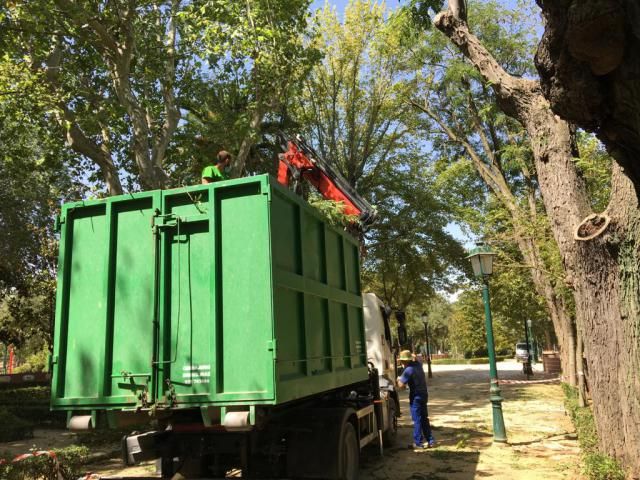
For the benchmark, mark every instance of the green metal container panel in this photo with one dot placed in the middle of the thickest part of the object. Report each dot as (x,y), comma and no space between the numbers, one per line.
(232,293)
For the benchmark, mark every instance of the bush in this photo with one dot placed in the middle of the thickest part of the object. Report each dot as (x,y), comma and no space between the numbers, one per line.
(36,362)
(596,465)
(31,404)
(66,461)
(448,361)
(13,428)
(481,360)
(26,395)
(599,466)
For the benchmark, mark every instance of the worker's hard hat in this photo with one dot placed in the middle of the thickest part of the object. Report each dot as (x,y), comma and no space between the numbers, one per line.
(405,356)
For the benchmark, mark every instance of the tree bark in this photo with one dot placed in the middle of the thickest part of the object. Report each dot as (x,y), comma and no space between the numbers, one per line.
(603,270)
(581,380)
(239,163)
(589,64)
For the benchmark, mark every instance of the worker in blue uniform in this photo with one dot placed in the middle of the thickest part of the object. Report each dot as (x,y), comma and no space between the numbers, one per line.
(413,376)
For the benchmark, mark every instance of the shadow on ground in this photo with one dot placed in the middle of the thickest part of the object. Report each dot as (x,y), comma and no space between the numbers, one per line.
(444,462)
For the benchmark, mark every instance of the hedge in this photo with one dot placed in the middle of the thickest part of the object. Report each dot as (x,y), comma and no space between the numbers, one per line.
(31,404)
(13,427)
(471,361)
(44,465)
(595,465)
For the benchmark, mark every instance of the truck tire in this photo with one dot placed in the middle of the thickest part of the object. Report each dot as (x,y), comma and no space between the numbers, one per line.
(349,453)
(390,435)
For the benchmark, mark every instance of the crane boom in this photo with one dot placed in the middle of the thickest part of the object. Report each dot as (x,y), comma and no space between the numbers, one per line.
(300,161)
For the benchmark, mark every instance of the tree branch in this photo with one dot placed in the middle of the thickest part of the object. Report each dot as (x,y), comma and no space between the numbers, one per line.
(172,114)
(509,90)
(82,18)
(75,136)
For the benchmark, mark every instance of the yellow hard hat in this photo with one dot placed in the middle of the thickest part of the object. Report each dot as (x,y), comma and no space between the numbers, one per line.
(405,356)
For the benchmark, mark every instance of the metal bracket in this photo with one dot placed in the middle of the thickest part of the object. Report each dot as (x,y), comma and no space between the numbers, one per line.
(58,222)
(272,347)
(172,398)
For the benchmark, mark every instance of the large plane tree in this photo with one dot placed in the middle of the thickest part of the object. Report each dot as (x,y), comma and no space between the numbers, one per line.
(596,86)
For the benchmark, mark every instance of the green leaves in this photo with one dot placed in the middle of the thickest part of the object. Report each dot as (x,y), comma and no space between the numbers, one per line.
(422,11)
(595,165)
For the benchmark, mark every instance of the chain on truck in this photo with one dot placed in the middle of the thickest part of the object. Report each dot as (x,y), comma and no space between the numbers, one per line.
(224,324)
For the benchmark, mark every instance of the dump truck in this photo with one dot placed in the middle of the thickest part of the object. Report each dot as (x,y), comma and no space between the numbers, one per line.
(224,325)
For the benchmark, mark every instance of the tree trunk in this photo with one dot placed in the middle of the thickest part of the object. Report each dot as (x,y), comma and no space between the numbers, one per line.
(570,374)
(603,267)
(560,318)
(547,340)
(581,385)
(589,64)
(248,141)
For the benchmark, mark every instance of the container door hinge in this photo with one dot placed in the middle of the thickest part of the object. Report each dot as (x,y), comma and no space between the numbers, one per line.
(53,360)
(271,347)
(266,190)
(57,224)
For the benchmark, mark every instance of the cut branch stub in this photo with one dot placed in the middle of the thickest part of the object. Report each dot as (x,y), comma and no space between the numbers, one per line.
(591,227)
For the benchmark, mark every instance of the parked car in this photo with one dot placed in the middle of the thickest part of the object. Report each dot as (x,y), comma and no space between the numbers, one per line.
(521,351)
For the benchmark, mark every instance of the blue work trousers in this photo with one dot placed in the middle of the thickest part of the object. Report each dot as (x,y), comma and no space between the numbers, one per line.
(419,415)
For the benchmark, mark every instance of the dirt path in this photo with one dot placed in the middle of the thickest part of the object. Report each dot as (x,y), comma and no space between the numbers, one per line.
(542,443)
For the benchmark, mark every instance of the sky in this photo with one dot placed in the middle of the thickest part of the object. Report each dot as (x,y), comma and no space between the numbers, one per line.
(452,228)
(315,4)
(465,238)
(393,4)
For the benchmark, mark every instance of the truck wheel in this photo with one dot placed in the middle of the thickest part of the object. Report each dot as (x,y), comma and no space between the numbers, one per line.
(390,435)
(167,467)
(349,453)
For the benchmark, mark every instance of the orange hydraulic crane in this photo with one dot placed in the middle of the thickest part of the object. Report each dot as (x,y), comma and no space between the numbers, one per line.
(300,161)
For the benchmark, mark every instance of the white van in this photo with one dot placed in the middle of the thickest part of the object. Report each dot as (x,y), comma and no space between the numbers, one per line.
(521,351)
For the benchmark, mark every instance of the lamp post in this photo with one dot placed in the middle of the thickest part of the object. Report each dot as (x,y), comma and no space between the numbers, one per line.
(425,321)
(482,263)
(528,371)
(534,344)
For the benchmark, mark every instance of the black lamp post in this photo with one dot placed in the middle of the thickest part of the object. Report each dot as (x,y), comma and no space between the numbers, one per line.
(482,262)
(528,371)
(425,321)
(534,344)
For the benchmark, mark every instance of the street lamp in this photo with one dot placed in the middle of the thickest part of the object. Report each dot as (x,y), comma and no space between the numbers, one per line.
(425,321)
(482,263)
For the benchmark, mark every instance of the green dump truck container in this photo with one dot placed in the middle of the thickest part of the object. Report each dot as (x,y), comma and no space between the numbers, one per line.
(230,294)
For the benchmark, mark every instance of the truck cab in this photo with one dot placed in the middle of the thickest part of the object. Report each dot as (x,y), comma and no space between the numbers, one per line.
(378,335)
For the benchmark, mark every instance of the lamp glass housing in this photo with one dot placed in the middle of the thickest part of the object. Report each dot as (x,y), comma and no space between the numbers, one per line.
(481,260)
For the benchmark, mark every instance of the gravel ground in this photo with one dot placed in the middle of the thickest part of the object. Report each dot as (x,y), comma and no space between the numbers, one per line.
(542,443)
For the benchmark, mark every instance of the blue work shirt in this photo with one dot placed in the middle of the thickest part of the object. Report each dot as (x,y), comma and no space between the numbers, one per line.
(413,376)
